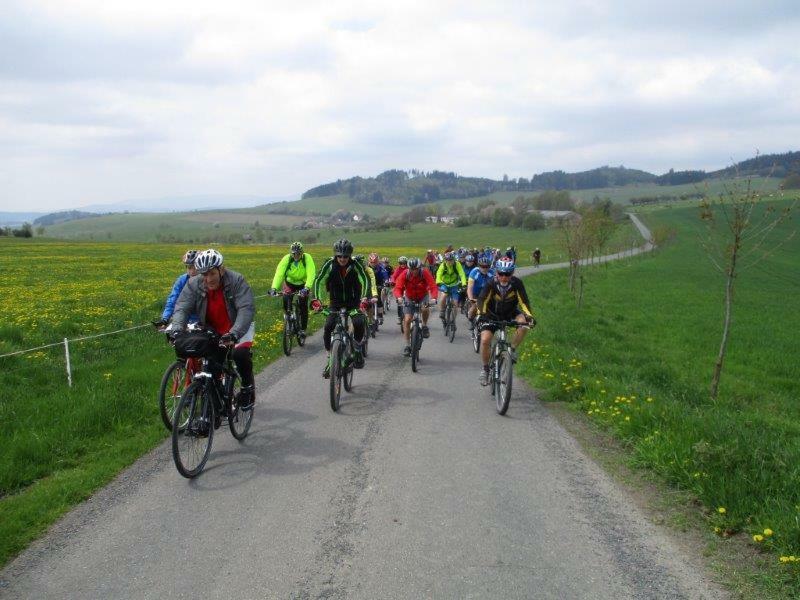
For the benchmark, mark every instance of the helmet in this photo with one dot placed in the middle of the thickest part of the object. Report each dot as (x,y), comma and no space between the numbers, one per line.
(402,260)
(413,263)
(505,266)
(469,258)
(373,258)
(296,247)
(188,258)
(449,256)
(343,247)
(207,260)
(483,261)
(537,248)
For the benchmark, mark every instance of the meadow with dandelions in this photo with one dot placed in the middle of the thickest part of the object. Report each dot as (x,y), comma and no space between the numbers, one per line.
(637,360)
(58,443)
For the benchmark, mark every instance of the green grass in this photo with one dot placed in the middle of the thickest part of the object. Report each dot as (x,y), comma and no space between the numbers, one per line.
(637,359)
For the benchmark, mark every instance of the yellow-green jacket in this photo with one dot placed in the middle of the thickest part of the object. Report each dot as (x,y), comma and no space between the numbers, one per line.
(296,272)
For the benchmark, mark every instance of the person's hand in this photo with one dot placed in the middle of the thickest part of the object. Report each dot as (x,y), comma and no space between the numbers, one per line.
(229,339)
(373,300)
(364,305)
(160,323)
(531,321)
(316,305)
(304,292)
(273,292)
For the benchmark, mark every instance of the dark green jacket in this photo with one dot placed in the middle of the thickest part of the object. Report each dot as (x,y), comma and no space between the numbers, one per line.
(344,289)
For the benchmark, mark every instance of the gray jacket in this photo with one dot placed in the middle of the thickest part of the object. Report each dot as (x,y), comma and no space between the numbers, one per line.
(238,300)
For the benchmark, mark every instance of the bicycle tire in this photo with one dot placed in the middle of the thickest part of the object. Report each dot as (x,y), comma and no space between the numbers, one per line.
(190,449)
(287,335)
(347,378)
(415,345)
(301,340)
(173,383)
(452,325)
(335,374)
(239,420)
(504,384)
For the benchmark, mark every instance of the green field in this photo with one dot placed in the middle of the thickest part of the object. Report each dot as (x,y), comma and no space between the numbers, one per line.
(637,359)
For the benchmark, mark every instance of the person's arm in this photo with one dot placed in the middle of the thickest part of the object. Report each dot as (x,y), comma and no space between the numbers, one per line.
(362,279)
(470,287)
(311,271)
(321,280)
(280,273)
(177,287)
(432,289)
(439,274)
(522,298)
(185,305)
(461,275)
(483,299)
(400,285)
(372,281)
(245,307)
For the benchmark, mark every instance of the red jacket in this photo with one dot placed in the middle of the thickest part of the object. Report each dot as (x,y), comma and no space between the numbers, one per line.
(415,287)
(397,272)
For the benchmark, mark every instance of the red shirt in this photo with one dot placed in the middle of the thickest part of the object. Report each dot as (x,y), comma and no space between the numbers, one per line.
(415,287)
(217,313)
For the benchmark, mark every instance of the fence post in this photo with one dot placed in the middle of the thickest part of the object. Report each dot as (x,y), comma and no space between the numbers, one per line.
(69,368)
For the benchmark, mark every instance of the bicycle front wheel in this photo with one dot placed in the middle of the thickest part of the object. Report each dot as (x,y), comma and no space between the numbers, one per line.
(416,342)
(335,374)
(239,420)
(193,430)
(504,383)
(169,393)
(287,335)
(451,323)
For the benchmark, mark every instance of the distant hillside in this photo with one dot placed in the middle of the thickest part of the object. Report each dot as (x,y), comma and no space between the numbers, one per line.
(766,165)
(63,217)
(397,187)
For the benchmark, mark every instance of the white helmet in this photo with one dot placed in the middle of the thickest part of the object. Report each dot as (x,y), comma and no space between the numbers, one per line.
(207,260)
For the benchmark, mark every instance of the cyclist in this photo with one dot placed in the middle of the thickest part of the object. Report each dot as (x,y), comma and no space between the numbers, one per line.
(223,301)
(169,307)
(449,276)
(372,285)
(503,298)
(537,257)
(468,265)
(417,284)
(382,275)
(402,265)
(346,284)
(477,279)
(511,253)
(430,261)
(295,273)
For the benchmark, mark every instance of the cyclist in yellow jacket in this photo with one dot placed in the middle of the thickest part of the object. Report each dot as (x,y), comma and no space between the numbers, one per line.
(449,277)
(295,274)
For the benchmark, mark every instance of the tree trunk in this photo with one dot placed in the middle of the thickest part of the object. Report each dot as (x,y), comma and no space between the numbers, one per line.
(727,324)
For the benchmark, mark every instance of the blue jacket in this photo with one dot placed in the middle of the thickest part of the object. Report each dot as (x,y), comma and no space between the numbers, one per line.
(381,274)
(480,280)
(177,288)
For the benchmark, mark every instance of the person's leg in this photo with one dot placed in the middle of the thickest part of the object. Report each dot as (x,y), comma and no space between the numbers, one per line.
(303,300)
(243,357)
(520,333)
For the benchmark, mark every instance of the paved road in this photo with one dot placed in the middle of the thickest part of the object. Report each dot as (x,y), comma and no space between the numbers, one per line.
(416,489)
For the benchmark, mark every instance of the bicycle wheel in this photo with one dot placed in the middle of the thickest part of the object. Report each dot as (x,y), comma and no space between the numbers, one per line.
(191,444)
(336,373)
(288,332)
(347,375)
(451,323)
(239,420)
(476,338)
(416,342)
(169,393)
(504,382)
(301,341)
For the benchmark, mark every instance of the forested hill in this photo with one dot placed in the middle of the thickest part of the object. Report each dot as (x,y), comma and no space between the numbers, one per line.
(417,187)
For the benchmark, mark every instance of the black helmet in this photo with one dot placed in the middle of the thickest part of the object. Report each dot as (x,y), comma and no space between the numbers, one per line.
(413,263)
(343,248)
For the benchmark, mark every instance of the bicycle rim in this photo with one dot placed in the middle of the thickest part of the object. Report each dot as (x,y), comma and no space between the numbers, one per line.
(287,336)
(169,393)
(190,446)
(415,344)
(335,374)
(504,384)
(239,420)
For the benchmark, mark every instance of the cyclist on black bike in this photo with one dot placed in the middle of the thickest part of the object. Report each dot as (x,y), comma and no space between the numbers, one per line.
(223,301)
(416,284)
(502,299)
(382,274)
(345,281)
(295,273)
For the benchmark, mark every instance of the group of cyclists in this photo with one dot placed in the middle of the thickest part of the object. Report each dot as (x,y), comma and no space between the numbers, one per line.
(215,297)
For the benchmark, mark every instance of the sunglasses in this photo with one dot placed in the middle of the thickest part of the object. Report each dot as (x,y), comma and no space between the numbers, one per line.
(504,274)
(342,256)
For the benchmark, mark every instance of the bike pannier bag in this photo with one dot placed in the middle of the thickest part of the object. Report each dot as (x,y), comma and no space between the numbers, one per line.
(196,344)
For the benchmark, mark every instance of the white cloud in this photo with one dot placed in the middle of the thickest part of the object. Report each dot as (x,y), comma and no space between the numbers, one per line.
(106,100)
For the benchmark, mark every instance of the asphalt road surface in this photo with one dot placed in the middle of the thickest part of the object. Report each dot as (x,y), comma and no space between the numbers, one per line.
(415,489)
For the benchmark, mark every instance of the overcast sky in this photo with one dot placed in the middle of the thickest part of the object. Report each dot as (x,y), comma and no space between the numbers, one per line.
(103,101)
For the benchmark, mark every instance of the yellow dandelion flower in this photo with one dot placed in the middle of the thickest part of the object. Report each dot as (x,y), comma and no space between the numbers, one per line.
(721,510)
(758,538)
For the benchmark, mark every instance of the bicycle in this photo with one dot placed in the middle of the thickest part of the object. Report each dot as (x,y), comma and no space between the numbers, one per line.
(175,380)
(291,323)
(501,365)
(386,296)
(449,318)
(416,333)
(212,395)
(341,358)
(475,333)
